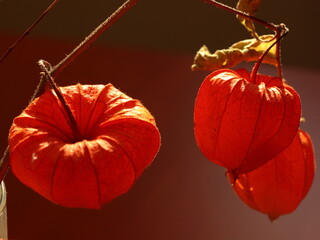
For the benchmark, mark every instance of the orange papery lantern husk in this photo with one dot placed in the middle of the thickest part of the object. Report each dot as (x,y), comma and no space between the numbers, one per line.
(280,185)
(242,123)
(119,139)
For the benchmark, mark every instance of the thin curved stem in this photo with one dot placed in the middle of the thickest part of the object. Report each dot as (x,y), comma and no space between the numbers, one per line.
(281,32)
(4,162)
(92,37)
(29,29)
(278,53)
(72,121)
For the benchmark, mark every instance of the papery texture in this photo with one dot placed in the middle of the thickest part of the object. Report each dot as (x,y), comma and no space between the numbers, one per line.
(240,124)
(119,139)
(280,185)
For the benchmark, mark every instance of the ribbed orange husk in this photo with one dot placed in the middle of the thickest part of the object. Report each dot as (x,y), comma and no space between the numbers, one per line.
(119,139)
(279,186)
(240,124)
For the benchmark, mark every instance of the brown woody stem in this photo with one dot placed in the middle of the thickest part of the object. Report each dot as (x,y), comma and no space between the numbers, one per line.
(280,31)
(236,11)
(4,163)
(278,53)
(92,37)
(72,121)
(28,30)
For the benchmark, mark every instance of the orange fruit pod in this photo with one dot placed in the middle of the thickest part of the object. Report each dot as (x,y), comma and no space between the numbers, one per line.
(118,139)
(241,123)
(280,185)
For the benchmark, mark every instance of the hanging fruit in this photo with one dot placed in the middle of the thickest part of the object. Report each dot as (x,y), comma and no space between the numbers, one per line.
(87,165)
(248,122)
(80,146)
(242,120)
(241,123)
(279,186)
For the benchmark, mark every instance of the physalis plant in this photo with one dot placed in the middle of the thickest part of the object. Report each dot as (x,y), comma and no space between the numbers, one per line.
(249,122)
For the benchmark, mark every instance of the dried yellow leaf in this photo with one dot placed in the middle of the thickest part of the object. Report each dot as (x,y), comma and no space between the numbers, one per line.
(250,7)
(246,50)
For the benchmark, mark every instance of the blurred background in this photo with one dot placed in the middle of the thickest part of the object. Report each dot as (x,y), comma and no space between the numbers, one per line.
(171,26)
(147,54)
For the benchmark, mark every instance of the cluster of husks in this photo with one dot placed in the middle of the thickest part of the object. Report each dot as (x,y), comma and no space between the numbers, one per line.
(251,127)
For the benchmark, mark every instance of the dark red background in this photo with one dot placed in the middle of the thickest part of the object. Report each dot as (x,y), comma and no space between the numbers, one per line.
(148,55)
(181,195)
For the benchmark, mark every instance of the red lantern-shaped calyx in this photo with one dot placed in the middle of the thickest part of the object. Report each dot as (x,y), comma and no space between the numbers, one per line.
(241,123)
(119,139)
(279,186)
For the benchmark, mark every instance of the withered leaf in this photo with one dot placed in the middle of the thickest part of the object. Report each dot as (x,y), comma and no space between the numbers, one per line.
(250,7)
(246,50)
